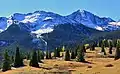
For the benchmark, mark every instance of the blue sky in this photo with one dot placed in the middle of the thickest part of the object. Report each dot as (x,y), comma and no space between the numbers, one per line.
(107,8)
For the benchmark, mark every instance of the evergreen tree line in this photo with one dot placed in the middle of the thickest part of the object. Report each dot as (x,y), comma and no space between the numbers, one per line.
(17,59)
(38,55)
(110,44)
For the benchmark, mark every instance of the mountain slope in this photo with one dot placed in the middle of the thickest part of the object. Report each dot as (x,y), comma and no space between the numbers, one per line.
(15,34)
(43,20)
(68,35)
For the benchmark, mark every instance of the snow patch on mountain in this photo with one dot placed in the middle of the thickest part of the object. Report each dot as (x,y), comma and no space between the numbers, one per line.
(48,18)
(31,18)
(115,23)
(41,31)
(9,22)
(1,30)
(44,25)
(99,28)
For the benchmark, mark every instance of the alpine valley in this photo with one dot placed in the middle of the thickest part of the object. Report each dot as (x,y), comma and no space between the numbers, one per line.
(41,29)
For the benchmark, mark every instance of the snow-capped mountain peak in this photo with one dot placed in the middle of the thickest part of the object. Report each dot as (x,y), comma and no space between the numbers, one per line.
(41,20)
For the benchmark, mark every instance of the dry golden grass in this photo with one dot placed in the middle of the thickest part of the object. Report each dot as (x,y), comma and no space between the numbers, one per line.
(97,64)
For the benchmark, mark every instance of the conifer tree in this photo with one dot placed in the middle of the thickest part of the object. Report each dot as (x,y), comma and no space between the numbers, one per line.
(80,55)
(34,60)
(67,55)
(103,49)
(72,55)
(55,52)
(28,56)
(114,42)
(63,49)
(103,43)
(39,56)
(100,43)
(18,59)
(58,52)
(117,52)
(110,47)
(42,55)
(92,47)
(6,62)
(47,54)
(84,48)
(110,50)
(106,43)
(12,59)
(76,50)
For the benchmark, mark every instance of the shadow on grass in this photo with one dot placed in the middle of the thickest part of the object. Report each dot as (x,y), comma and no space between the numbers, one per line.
(19,66)
(88,62)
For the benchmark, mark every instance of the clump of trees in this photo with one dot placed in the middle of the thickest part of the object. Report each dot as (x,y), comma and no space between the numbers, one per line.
(17,59)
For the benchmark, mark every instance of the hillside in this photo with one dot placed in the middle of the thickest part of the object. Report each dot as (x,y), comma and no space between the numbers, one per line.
(68,35)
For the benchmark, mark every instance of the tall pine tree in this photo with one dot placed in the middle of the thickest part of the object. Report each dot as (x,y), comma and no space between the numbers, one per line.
(110,47)
(84,48)
(6,62)
(80,54)
(18,59)
(57,52)
(67,55)
(117,52)
(47,54)
(42,55)
(12,59)
(92,47)
(103,49)
(72,55)
(76,50)
(28,56)
(34,60)
(39,56)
